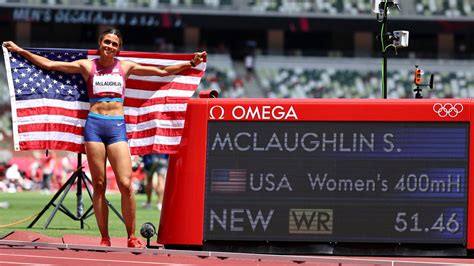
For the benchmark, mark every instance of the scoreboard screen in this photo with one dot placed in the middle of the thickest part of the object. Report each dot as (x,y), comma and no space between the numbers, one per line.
(384,182)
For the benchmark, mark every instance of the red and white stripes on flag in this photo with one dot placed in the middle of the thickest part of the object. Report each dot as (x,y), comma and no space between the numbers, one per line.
(49,109)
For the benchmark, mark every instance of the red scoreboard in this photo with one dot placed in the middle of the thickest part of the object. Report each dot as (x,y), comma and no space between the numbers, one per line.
(321,173)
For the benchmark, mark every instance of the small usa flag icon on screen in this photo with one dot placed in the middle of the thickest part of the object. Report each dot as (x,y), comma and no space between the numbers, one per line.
(228,180)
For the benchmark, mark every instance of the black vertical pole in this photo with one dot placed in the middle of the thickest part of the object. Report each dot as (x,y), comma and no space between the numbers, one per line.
(80,202)
(384,92)
(384,52)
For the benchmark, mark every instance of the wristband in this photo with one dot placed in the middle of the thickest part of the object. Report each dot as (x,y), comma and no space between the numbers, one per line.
(192,63)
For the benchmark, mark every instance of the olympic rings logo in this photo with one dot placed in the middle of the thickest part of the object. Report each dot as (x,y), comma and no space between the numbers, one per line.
(448,109)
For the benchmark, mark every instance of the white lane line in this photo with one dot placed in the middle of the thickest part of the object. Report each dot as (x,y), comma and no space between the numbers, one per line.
(22,263)
(83,259)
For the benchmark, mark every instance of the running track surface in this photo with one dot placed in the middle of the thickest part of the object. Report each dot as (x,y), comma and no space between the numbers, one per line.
(24,248)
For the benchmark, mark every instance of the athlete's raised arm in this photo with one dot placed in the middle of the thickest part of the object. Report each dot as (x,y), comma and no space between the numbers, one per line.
(81,66)
(133,68)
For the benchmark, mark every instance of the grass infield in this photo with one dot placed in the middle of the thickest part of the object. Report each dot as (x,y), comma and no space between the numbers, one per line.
(25,204)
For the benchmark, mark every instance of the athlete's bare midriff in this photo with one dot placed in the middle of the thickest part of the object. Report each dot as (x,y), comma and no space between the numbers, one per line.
(107,108)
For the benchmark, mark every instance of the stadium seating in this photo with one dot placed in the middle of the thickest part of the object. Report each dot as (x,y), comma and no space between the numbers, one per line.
(127,3)
(223,81)
(5,114)
(4,94)
(221,76)
(317,6)
(342,80)
(5,124)
(451,8)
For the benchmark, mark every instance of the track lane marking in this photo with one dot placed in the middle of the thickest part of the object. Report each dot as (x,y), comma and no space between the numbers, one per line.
(84,259)
(22,263)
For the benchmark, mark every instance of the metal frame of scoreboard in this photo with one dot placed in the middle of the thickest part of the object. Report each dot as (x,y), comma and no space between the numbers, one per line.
(183,220)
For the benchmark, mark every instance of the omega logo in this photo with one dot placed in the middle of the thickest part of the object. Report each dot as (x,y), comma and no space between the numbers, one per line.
(265,112)
(216,110)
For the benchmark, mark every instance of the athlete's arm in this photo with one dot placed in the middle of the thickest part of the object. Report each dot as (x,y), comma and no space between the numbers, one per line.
(79,66)
(132,68)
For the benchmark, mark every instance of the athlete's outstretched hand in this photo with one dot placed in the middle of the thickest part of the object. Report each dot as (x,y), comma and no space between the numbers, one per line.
(198,58)
(11,46)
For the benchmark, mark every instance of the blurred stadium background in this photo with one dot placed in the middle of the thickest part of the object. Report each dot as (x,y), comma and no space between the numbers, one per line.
(300,48)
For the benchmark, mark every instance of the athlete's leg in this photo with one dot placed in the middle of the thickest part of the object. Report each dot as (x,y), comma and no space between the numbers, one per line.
(160,188)
(120,160)
(96,157)
(148,187)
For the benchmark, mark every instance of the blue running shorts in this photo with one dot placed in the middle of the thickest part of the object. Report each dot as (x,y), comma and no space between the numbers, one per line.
(105,129)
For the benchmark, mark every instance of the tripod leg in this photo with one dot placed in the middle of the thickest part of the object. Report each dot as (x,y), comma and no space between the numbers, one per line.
(60,202)
(68,183)
(115,211)
(88,181)
(64,189)
(79,201)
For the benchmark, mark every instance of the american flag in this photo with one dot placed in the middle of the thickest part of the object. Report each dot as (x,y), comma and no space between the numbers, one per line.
(228,180)
(49,108)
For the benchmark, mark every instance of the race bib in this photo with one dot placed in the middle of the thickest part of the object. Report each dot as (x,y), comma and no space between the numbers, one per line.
(107,83)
